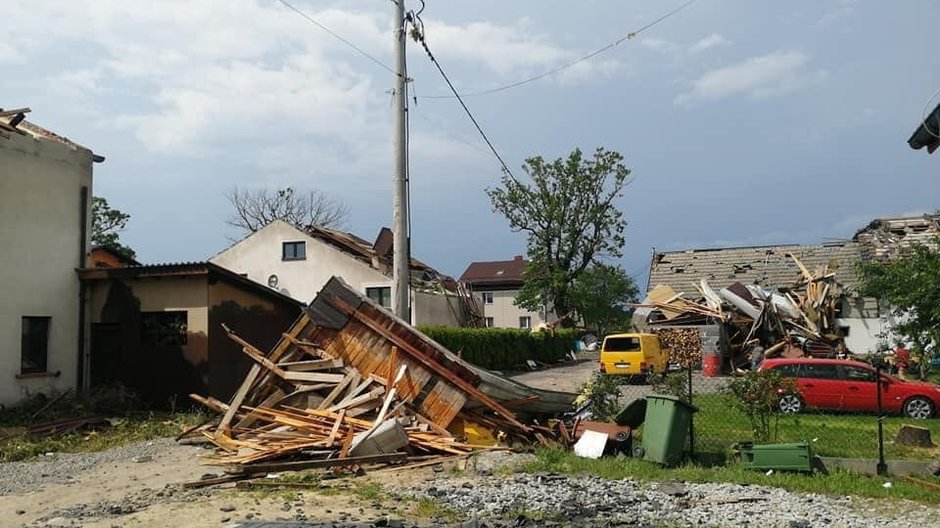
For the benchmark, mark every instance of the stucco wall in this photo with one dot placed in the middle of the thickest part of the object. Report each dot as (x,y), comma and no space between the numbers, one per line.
(259,255)
(155,372)
(504,312)
(41,185)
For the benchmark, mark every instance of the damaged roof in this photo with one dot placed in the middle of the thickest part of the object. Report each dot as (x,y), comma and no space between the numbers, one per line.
(13,121)
(887,238)
(762,265)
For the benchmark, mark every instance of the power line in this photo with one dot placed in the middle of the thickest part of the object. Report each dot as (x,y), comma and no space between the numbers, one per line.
(589,56)
(418,34)
(338,37)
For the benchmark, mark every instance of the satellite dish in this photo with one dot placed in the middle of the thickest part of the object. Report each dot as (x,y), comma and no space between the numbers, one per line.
(272,281)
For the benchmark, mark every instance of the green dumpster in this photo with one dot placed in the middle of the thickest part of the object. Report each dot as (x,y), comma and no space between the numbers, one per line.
(781,457)
(666,428)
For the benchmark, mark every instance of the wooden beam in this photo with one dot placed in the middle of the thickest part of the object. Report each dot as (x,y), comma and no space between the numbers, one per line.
(298,465)
(337,390)
(279,349)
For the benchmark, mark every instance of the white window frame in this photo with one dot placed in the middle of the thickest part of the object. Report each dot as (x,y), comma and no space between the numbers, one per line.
(487,297)
(528,321)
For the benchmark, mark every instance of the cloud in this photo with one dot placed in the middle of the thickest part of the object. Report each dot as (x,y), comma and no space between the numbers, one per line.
(711,41)
(770,75)
(660,46)
(845,9)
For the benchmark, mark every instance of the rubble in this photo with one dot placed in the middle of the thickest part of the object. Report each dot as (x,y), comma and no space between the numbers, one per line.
(788,320)
(349,384)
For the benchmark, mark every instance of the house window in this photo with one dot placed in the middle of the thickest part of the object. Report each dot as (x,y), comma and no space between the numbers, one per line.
(34,344)
(163,328)
(488,321)
(525,322)
(294,251)
(487,297)
(381,295)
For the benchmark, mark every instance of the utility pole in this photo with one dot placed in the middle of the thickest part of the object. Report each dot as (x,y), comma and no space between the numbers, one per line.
(401,272)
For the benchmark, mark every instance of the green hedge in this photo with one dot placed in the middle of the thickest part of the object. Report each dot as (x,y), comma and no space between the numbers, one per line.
(502,348)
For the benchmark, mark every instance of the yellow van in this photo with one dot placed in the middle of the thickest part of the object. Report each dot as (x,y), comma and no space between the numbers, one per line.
(633,355)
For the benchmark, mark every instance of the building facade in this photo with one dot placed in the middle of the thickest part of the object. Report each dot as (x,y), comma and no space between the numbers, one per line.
(495,285)
(45,221)
(299,262)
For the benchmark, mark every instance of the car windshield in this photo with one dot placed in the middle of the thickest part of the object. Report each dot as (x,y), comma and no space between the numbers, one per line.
(622,344)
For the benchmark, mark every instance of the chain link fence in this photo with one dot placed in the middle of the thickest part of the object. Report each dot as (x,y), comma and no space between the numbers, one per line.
(723,421)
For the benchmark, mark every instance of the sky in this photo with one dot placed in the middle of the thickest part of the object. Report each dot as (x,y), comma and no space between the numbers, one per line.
(743,122)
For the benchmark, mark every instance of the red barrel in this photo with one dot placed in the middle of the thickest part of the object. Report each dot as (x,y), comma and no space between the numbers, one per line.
(711,366)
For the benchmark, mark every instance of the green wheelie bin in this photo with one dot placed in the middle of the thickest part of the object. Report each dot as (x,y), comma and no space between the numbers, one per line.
(666,429)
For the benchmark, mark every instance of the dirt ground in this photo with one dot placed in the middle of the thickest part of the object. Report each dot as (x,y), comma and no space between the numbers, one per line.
(127,493)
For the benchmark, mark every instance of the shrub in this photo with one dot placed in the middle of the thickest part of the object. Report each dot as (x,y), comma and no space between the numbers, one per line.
(756,394)
(502,348)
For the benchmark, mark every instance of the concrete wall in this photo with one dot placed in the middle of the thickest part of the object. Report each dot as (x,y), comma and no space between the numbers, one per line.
(41,187)
(504,312)
(259,255)
(437,310)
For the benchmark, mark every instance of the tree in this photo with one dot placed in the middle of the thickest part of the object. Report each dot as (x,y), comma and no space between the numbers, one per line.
(257,208)
(570,219)
(910,286)
(105,225)
(600,295)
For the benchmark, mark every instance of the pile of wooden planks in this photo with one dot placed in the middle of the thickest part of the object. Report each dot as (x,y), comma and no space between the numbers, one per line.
(311,405)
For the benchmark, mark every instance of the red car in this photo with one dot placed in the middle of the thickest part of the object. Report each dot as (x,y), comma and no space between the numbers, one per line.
(840,384)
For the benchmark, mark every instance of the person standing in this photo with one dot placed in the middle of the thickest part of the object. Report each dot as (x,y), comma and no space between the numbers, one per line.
(902,360)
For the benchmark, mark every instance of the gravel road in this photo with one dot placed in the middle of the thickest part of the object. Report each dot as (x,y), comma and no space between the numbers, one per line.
(557,500)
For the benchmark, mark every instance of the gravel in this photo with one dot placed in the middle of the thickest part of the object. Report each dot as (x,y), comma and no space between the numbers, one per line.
(556,500)
(16,477)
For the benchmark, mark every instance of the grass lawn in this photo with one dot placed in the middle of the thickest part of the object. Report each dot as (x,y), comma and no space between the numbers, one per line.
(836,483)
(129,423)
(717,426)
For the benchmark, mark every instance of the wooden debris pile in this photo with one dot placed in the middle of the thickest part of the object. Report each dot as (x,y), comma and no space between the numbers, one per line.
(684,345)
(790,320)
(348,384)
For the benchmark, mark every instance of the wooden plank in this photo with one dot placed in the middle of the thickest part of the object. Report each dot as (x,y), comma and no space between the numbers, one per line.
(333,432)
(279,349)
(298,465)
(358,400)
(311,364)
(221,480)
(392,362)
(352,377)
(310,377)
(391,393)
(406,347)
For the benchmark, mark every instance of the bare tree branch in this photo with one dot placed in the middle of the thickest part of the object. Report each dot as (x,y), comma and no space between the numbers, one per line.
(254,209)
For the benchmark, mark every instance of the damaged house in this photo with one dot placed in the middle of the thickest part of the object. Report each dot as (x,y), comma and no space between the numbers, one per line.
(45,225)
(796,299)
(299,262)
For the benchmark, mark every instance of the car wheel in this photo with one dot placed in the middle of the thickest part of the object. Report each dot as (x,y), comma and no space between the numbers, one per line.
(918,408)
(790,404)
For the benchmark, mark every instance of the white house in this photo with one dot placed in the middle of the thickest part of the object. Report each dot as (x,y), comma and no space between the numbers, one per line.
(45,221)
(299,262)
(496,284)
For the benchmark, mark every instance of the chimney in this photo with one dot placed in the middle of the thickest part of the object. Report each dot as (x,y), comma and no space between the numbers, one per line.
(517,257)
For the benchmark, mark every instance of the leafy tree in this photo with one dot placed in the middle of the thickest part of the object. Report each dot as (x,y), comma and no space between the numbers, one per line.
(600,294)
(570,219)
(106,224)
(254,209)
(910,286)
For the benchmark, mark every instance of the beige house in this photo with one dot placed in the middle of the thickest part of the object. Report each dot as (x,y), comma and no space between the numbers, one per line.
(45,221)
(299,262)
(496,284)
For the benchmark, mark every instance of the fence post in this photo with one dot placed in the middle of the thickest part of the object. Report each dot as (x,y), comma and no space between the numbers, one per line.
(882,468)
(691,419)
